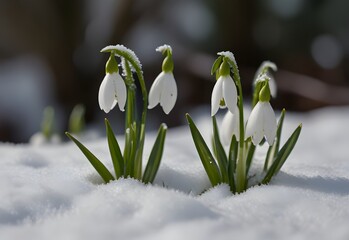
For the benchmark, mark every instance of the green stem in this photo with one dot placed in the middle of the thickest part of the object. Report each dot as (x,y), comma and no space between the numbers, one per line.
(140,140)
(241,163)
(131,97)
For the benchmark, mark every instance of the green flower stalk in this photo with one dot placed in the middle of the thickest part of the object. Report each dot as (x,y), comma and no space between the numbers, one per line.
(231,165)
(116,90)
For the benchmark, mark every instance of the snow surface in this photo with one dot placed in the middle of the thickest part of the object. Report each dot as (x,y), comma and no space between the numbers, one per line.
(51,191)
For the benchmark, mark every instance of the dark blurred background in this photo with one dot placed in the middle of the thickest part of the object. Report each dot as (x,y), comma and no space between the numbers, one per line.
(49,53)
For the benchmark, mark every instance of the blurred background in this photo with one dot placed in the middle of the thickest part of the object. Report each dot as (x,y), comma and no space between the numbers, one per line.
(49,53)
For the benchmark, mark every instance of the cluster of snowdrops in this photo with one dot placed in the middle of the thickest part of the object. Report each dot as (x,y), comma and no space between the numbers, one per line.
(233,143)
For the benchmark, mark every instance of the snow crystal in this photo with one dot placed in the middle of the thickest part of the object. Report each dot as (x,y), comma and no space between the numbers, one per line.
(122,48)
(164,48)
(229,55)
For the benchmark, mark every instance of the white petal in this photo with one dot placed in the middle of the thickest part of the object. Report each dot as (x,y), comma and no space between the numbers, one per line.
(120,91)
(229,93)
(257,137)
(272,86)
(168,95)
(155,91)
(106,94)
(227,128)
(230,126)
(269,121)
(236,124)
(254,125)
(217,95)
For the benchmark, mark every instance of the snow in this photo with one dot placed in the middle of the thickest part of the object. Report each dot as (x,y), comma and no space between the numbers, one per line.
(51,191)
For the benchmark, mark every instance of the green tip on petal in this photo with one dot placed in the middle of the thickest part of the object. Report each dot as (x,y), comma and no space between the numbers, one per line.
(111,65)
(264,94)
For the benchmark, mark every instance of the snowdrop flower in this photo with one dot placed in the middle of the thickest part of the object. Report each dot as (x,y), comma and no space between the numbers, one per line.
(113,88)
(225,90)
(263,71)
(262,121)
(164,88)
(230,126)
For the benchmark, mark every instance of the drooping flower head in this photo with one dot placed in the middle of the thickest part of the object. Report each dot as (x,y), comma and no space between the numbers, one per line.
(262,121)
(262,73)
(113,89)
(164,88)
(224,92)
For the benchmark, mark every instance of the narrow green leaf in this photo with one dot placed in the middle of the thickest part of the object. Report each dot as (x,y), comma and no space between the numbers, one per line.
(220,153)
(115,152)
(127,153)
(139,152)
(155,156)
(96,163)
(272,151)
(133,136)
(205,154)
(233,153)
(76,119)
(282,155)
(216,64)
(249,157)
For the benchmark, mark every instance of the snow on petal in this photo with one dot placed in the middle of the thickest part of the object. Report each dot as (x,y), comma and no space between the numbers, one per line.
(229,93)
(216,97)
(155,91)
(168,96)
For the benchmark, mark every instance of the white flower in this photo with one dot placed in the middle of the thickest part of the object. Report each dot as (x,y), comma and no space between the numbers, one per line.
(230,126)
(163,91)
(224,89)
(112,91)
(262,122)
(263,72)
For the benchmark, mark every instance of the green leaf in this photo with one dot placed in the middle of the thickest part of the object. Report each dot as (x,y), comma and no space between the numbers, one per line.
(220,153)
(76,119)
(155,156)
(129,164)
(140,134)
(98,165)
(282,155)
(249,157)
(216,64)
(48,122)
(205,154)
(233,153)
(272,151)
(115,152)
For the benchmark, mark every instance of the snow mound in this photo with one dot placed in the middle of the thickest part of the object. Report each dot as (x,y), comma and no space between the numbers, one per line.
(52,192)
